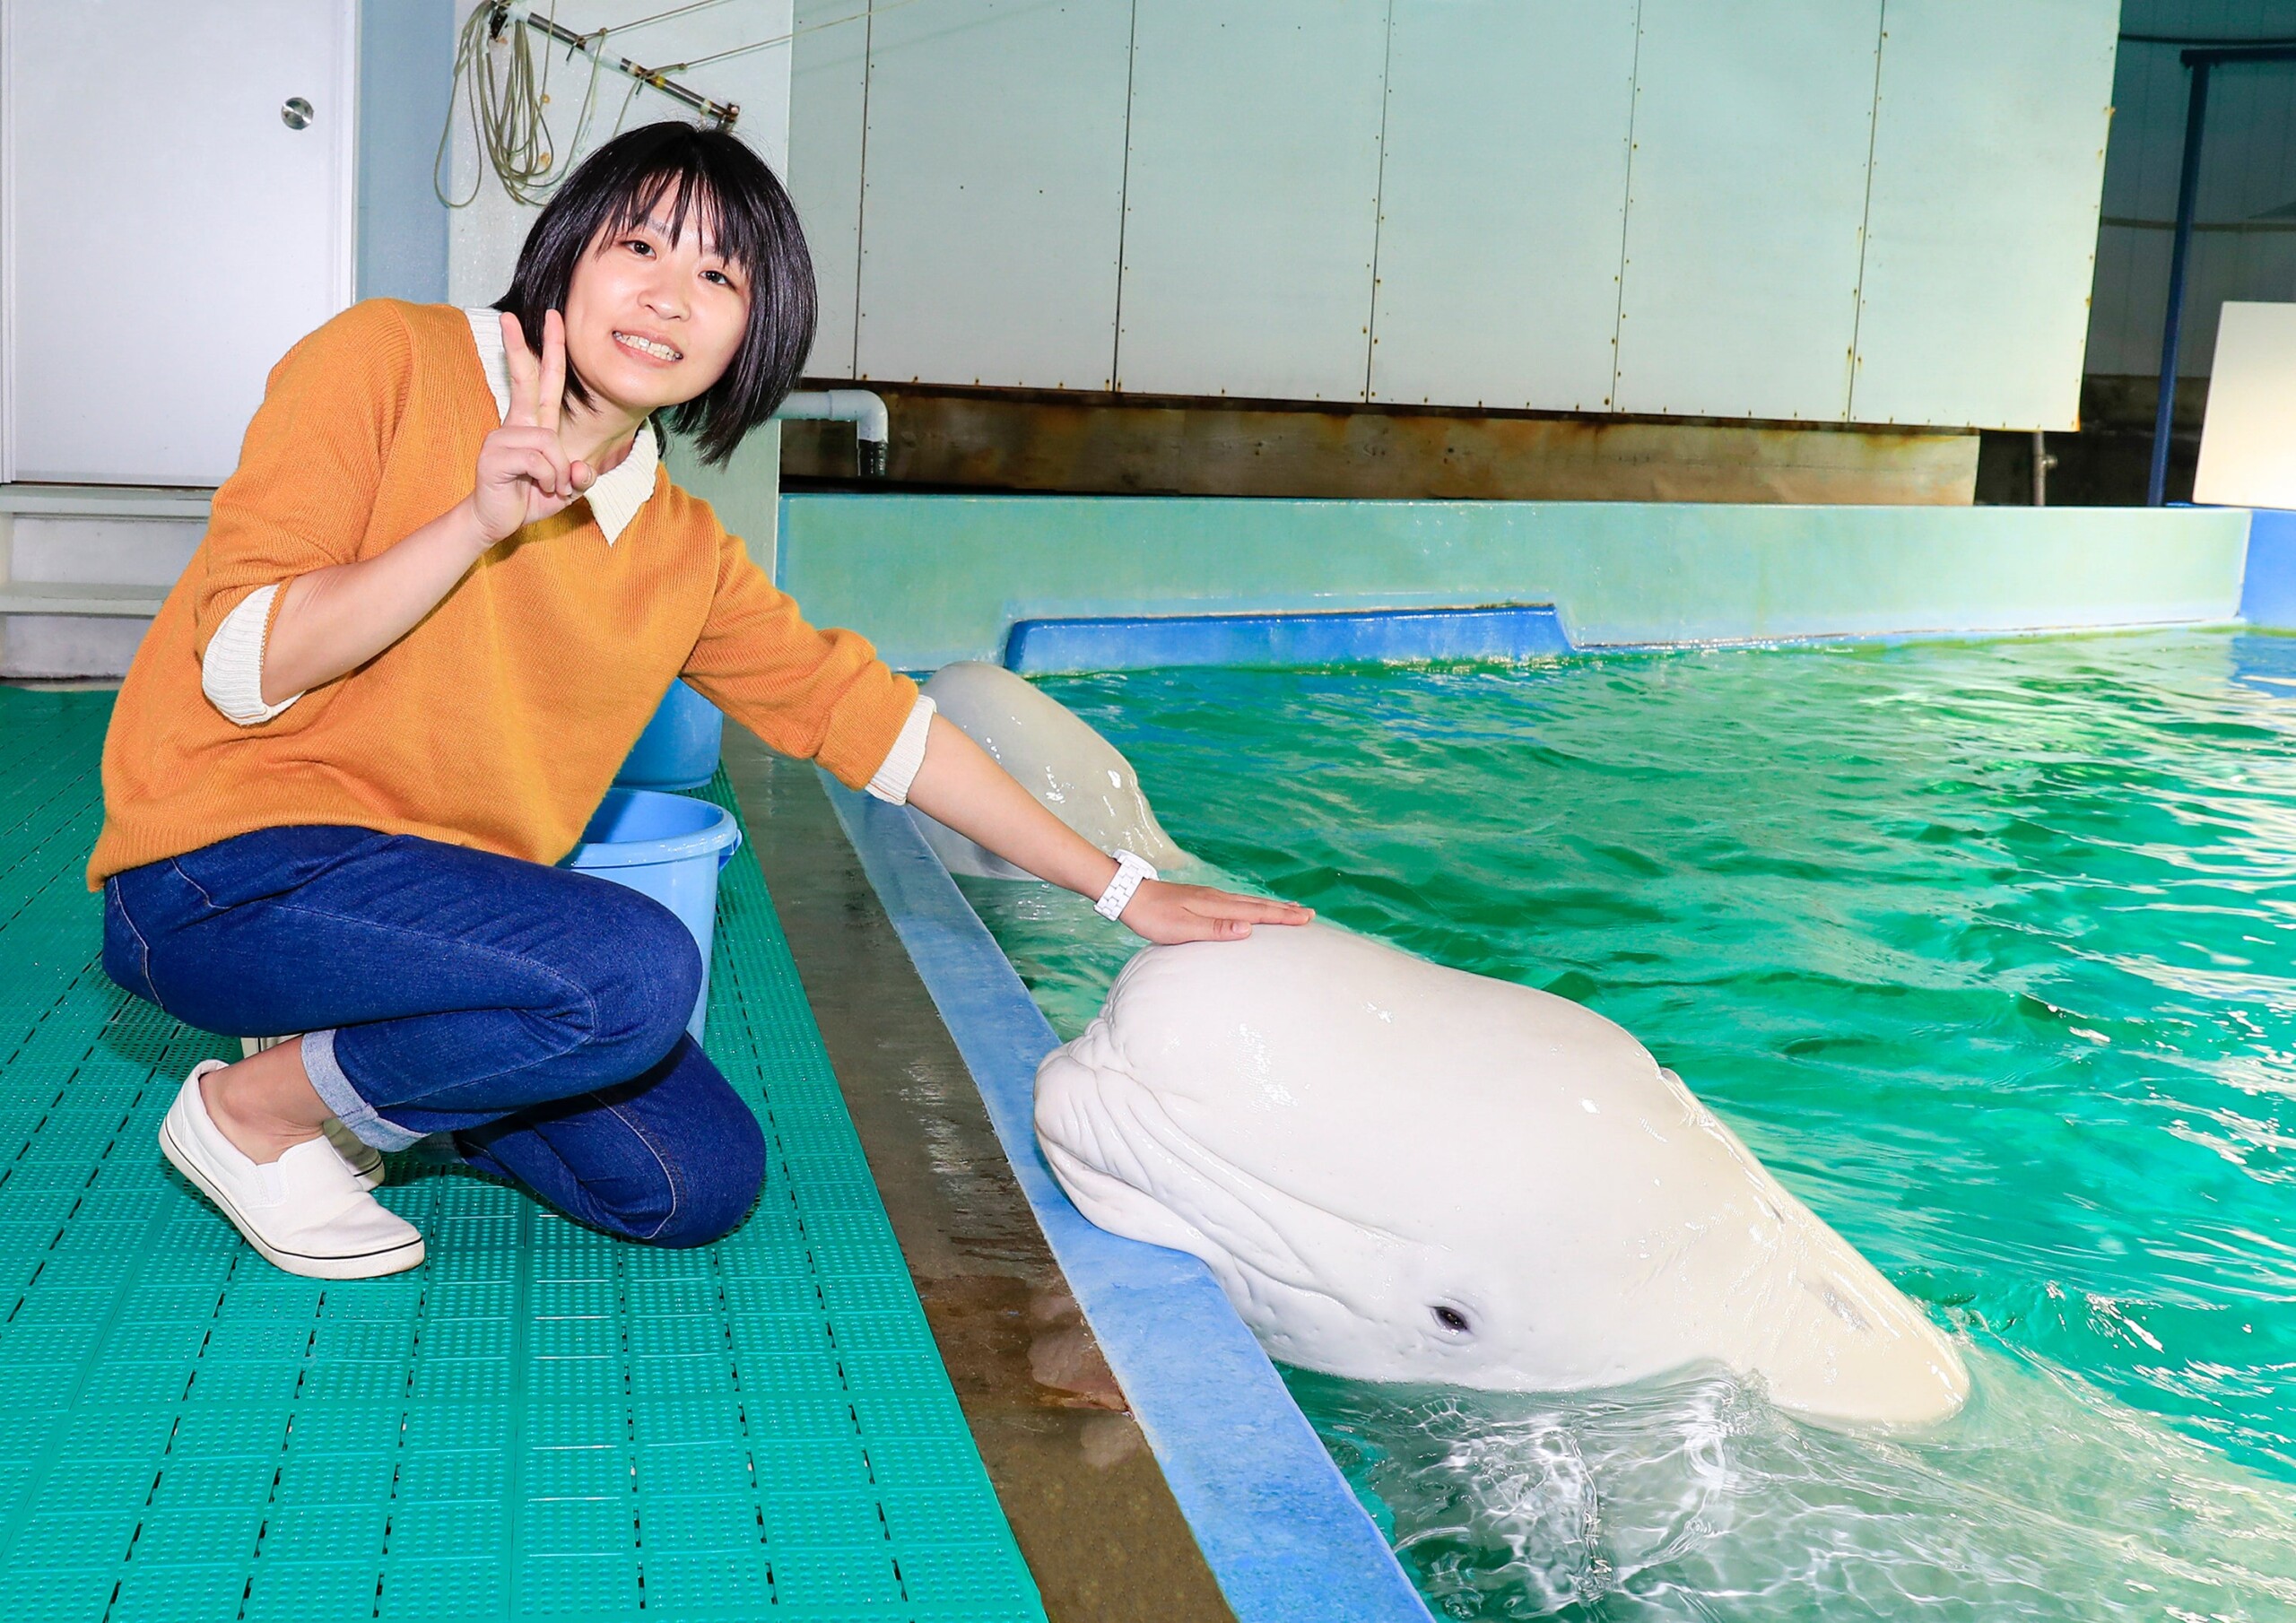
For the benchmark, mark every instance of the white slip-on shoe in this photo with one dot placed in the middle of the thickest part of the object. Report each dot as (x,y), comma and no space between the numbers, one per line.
(306,1211)
(365,1161)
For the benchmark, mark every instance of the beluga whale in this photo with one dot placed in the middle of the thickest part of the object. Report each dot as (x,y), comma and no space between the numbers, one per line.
(1402,1172)
(1075,772)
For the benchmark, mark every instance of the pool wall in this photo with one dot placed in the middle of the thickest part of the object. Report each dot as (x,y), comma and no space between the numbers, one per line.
(934,579)
(1284,1535)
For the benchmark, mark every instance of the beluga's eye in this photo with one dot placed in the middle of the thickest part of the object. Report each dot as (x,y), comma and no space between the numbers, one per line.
(1451,1319)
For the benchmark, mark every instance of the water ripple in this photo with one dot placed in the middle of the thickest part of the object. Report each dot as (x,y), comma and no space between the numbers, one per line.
(1987,949)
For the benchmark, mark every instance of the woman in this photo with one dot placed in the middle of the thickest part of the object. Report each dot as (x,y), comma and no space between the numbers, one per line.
(436,604)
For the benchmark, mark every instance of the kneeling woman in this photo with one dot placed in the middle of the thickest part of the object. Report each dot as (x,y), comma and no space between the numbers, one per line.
(436,604)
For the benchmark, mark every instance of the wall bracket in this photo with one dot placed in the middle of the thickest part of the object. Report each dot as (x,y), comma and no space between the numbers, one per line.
(723,113)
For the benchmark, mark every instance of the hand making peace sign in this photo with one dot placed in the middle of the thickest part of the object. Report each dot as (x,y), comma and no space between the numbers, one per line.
(524,472)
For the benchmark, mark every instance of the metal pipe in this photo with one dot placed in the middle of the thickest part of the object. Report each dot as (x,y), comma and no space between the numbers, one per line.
(2042,462)
(2181,250)
(723,112)
(863,408)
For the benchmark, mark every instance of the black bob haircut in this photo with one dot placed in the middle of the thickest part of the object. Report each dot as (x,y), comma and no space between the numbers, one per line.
(719,187)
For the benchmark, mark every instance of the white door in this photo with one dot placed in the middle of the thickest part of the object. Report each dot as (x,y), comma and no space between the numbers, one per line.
(167,232)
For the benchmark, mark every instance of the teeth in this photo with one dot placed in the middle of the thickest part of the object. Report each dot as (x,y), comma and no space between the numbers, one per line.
(648,346)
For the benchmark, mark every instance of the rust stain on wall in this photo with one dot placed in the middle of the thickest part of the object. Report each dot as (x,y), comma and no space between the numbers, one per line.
(1013,440)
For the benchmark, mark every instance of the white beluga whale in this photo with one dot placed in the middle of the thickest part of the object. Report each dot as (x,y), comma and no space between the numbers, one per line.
(1405,1173)
(1073,770)
(1401,1172)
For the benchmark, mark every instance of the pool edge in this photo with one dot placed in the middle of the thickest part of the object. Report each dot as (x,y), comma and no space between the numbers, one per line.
(1286,1537)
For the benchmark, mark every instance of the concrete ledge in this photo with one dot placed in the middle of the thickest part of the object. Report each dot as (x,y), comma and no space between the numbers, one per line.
(106,501)
(935,578)
(72,597)
(1282,1531)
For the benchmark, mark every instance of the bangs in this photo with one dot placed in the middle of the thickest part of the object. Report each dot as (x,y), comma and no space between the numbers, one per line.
(710,183)
(692,203)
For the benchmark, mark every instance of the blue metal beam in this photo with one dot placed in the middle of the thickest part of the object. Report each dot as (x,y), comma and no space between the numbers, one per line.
(2201,63)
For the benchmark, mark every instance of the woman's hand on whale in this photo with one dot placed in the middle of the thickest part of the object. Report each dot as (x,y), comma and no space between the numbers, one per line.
(1166,913)
(960,785)
(524,471)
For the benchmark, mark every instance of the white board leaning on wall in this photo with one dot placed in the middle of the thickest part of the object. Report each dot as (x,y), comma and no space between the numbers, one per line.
(2247,441)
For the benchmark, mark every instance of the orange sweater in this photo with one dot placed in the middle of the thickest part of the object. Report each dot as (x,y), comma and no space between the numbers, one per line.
(500,720)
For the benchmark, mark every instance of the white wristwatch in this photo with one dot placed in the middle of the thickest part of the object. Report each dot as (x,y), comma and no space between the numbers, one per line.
(1130,871)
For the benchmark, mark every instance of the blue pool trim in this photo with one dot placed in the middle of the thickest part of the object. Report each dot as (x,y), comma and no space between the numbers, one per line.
(2268,587)
(1048,647)
(1284,1537)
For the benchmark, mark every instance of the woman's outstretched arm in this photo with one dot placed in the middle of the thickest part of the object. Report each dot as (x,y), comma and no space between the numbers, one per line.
(960,785)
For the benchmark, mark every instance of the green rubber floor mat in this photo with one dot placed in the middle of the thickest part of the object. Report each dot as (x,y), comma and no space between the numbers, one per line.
(540,1423)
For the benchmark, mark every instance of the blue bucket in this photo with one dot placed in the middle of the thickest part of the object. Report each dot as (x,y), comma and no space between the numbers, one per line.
(669,847)
(679,748)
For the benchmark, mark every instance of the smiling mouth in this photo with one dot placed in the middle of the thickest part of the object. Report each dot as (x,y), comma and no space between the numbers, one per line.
(651,347)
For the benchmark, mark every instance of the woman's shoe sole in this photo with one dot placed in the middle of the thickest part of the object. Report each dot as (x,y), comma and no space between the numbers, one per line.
(373,1264)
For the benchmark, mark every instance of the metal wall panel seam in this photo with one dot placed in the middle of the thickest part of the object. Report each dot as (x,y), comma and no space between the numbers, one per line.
(1378,200)
(1124,202)
(861,210)
(1626,214)
(1865,219)
(8,143)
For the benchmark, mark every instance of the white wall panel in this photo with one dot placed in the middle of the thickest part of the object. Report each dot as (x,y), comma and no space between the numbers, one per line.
(829,78)
(993,196)
(1752,123)
(1974,304)
(1251,198)
(1502,196)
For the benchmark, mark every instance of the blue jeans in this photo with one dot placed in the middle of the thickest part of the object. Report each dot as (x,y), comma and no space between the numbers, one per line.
(535,1013)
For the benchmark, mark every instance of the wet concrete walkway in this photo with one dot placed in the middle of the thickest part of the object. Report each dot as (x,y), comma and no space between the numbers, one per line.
(1099,1529)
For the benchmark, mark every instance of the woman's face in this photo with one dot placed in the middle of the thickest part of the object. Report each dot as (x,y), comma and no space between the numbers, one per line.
(652,324)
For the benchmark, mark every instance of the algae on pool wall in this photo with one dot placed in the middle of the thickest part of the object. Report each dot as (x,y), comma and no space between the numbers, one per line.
(1984,948)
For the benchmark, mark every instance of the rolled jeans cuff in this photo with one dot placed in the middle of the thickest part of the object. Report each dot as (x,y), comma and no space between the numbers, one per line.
(335,1091)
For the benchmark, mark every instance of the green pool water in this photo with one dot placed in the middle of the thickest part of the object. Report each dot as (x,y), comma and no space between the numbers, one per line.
(1985,949)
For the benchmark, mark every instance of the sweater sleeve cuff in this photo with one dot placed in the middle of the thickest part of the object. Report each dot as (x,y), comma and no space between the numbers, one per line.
(230,672)
(907,754)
